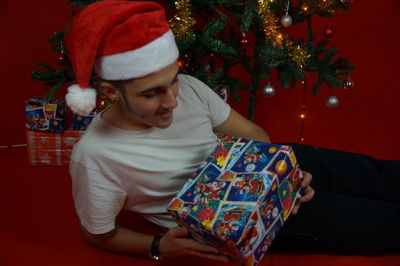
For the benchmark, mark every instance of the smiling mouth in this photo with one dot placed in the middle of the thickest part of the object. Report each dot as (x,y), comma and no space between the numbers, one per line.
(165,114)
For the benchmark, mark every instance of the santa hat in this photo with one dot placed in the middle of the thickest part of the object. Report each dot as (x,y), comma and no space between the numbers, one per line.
(123,40)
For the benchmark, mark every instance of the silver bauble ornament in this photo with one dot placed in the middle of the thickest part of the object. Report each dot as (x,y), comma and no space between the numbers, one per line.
(286,20)
(332,101)
(269,90)
(348,84)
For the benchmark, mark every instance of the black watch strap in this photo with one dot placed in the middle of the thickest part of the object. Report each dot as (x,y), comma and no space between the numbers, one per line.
(155,248)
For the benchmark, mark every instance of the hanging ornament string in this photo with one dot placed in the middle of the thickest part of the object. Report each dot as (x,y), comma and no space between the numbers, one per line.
(272,33)
(349,83)
(269,90)
(183,20)
(303,114)
(286,20)
(62,59)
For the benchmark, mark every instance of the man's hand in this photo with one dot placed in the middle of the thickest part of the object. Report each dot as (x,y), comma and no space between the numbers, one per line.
(176,243)
(309,192)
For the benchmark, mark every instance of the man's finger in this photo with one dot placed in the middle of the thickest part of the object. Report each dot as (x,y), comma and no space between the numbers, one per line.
(295,209)
(309,194)
(307,177)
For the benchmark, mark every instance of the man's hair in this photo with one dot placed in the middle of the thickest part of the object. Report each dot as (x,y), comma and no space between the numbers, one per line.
(120,85)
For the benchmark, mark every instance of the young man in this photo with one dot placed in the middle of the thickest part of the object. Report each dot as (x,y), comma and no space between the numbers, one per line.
(138,153)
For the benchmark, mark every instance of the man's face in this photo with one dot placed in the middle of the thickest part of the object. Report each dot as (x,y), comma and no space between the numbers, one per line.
(149,101)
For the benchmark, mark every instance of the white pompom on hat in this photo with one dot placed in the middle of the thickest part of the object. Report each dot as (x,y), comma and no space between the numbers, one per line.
(123,40)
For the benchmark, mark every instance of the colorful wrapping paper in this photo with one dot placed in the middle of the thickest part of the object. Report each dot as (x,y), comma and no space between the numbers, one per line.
(49,148)
(240,197)
(45,115)
(80,122)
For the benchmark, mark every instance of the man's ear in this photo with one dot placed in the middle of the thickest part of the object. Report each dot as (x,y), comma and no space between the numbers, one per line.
(110,91)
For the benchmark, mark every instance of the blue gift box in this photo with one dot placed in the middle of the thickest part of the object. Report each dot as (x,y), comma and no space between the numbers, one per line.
(44,115)
(80,122)
(240,197)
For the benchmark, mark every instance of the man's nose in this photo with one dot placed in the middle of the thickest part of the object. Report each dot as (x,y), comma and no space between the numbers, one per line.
(169,99)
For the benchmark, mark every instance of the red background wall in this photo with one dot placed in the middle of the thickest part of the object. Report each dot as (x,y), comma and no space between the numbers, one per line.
(366,120)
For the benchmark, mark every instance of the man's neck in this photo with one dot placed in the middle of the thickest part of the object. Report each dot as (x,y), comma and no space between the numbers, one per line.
(118,117)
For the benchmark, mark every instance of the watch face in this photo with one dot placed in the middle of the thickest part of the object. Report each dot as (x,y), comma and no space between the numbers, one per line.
(155,257)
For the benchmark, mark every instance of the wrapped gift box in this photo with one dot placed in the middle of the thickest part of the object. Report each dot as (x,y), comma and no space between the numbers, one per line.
(49,157)
(81,122)
(240,197)
(49,148)
(45,115)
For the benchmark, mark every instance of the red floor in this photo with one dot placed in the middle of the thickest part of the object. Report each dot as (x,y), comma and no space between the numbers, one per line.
(38,225)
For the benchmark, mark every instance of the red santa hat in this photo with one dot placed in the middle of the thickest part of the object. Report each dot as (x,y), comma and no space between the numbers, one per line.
(123,40)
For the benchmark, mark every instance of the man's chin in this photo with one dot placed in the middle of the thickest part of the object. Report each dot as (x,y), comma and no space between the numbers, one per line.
(164,124)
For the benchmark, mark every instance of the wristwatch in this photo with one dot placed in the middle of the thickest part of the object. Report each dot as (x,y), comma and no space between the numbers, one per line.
(155,248)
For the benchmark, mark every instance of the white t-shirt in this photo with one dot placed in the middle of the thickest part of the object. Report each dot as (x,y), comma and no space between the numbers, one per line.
(141,171)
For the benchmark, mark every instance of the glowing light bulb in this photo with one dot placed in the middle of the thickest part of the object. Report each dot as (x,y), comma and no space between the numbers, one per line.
(180,63)
(305,8)
(303,116)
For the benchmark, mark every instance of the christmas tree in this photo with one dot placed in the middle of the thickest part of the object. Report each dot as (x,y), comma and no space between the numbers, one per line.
(218,38)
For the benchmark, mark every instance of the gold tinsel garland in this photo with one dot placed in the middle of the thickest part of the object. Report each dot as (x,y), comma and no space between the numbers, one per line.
(183,20)
(271,30)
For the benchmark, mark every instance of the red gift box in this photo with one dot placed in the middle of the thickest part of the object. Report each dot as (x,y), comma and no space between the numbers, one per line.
(50,149)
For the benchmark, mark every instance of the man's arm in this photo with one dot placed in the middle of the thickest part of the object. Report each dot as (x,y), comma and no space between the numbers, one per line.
(175,243)
(238,126)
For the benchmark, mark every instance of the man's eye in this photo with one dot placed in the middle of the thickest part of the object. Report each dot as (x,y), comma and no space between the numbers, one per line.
(150,94)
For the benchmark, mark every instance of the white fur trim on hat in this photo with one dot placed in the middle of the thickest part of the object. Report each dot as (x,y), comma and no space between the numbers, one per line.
(140,62)
(81,101)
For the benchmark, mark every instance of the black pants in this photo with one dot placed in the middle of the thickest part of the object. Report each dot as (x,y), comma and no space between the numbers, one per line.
(355,210)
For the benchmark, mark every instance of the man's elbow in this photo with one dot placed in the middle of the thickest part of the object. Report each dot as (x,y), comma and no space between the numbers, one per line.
(259,134)
(96,240)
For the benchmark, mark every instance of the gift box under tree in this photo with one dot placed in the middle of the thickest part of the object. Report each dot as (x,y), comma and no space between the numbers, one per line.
(45,115)
(50,148)
(240,197)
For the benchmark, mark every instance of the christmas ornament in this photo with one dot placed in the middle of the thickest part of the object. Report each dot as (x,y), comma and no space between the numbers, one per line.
(328,31)
(244,42)
(272,33)
(332,101)
(223,92)
(103,102)
(181,64)
(348,84)
(286,20)
(207,68)
(269,90)
(62,60)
